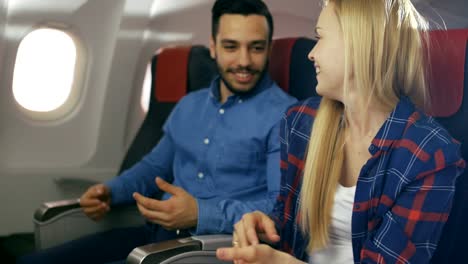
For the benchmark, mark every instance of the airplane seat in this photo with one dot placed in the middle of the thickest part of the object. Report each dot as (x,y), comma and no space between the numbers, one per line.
(290,68)
(449,92)
(179,70)
(299,78)
(175,71)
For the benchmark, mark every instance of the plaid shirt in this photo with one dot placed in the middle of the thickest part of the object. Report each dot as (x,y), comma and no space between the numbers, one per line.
(403,195)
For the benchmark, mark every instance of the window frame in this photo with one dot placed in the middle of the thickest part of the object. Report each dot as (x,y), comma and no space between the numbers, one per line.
(77,88)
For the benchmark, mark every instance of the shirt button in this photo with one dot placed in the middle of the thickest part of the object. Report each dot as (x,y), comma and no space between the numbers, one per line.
(240,101)
(206,141)
(201,175)
(357,206)
(221,111)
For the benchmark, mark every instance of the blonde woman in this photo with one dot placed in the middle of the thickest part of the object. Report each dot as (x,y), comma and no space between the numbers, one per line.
(366,176)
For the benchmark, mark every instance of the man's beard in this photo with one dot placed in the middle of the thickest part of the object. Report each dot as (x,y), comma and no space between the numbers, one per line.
(235,91)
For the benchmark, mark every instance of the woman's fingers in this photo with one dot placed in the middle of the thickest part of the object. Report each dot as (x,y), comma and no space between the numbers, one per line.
(252,254)
(240,235)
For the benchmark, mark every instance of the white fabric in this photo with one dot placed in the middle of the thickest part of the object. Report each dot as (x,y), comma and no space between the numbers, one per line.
(339,249)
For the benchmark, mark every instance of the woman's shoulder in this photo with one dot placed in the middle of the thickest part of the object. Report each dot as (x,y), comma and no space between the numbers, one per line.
(300,116)
(430,138)
(306,108)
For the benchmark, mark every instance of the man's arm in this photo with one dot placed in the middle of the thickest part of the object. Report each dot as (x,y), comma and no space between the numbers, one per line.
(158,163)
(140,178)
(219,216)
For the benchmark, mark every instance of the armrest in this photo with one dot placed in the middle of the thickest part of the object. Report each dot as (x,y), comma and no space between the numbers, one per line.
(61,221)
(195,249)
(49,210)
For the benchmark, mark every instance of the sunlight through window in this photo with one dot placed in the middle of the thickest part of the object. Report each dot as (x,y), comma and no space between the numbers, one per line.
(44,70)
(146,93)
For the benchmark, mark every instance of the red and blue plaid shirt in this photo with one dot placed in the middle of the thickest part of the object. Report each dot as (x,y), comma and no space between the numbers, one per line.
(403,195)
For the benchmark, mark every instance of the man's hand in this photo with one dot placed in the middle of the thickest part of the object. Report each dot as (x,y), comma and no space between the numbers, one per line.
(95,202)
(178,212)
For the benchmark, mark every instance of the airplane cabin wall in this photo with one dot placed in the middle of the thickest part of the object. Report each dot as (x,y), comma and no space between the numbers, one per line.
(447,14)
(3,14)
(47,160)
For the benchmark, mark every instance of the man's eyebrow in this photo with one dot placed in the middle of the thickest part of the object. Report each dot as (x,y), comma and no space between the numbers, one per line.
(228,41)
(258,42)
(255,42)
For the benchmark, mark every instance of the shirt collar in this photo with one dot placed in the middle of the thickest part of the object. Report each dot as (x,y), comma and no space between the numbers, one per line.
(263,84)
(393,128)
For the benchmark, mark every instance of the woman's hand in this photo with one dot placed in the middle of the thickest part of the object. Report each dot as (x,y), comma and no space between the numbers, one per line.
(255,254)
(253,226)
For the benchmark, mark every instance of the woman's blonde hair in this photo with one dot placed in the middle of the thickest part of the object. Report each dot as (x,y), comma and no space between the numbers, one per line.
(385,43)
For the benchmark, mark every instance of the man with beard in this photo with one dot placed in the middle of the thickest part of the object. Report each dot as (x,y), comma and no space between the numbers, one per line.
(220,147)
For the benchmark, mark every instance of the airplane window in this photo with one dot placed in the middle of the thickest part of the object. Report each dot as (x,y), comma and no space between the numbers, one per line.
(44,70)
(146,92)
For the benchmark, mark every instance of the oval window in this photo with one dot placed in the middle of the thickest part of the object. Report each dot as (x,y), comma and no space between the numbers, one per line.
(44,70)
(146,91)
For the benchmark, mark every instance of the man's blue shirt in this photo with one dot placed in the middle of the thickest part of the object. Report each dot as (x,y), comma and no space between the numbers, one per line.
(225,155)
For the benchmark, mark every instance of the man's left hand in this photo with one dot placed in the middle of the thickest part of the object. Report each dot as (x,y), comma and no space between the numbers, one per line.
(178,212)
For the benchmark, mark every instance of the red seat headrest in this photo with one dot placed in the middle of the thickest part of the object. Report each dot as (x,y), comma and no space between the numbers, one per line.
(447,50)
(171,72)
(290,67)
(280,61)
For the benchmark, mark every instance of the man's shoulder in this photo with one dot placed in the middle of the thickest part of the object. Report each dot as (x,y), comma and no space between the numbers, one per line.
(271,103)
(195,96)
(275,96)
(189,104)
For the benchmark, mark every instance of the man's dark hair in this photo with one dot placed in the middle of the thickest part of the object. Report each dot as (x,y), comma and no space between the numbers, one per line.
(239,7)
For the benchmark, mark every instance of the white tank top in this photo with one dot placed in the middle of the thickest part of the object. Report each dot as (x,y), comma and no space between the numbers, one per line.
(340,248)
